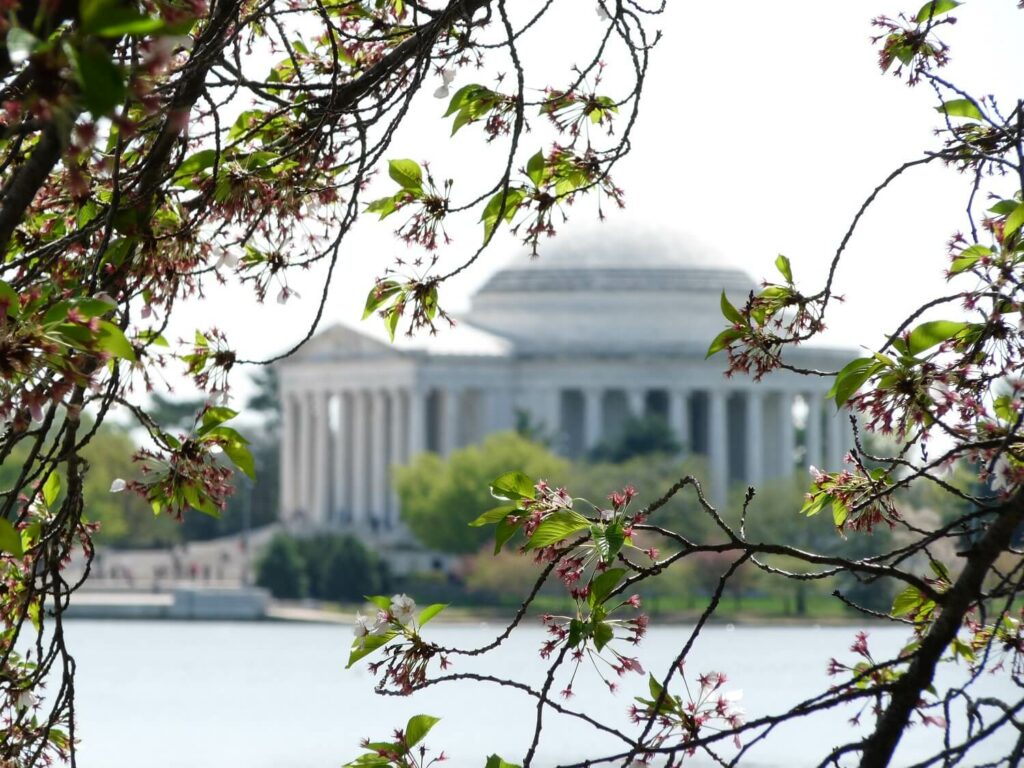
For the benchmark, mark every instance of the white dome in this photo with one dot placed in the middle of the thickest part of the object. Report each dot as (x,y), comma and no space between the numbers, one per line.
(612,288)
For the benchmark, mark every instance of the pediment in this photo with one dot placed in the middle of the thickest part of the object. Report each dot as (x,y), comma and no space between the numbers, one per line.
(341,342)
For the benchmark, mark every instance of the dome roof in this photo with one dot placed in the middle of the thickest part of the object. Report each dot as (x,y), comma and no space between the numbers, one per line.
(612,288)
(616,258)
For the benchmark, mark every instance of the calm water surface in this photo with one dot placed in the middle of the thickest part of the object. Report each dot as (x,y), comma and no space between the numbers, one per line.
(225,695)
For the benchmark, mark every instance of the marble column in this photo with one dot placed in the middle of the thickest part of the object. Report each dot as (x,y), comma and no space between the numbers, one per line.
(379,474)
(787,434)
(813,454)
(288,467)
(833,442)
(591,418)
(321,459)
(679,417)
(360,459)
(718,449)
(303,495)
(755,437)
(416,435)
(342,456)
(546,410)
(451,401)
(497,412)
(396,453)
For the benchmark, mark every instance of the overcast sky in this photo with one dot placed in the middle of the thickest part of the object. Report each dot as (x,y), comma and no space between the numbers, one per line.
(763,128)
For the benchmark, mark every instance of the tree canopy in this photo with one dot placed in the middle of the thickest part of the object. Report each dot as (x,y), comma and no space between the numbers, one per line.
(150,150)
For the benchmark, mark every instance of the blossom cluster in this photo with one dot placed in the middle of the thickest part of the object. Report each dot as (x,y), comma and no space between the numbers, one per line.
(395,628)
(679,720)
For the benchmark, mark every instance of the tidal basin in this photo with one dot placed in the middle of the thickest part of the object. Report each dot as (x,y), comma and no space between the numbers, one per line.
(276,695)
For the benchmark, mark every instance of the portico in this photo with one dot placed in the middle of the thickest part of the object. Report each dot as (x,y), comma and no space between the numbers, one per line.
(580,341)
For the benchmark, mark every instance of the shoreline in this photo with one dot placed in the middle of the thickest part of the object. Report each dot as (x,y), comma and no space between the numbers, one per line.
(149,606)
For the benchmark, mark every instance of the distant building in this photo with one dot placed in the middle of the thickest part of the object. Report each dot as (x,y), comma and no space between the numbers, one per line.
(596,329)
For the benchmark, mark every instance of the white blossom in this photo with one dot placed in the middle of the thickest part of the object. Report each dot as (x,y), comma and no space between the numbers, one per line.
(227,259)
(403,608)
(24,699)
(118,485)
(602,14)
(447,76)
(1002,472)
(365,626)
(285,294)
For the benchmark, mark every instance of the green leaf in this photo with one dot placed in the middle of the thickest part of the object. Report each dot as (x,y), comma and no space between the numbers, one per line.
(907,601)
(460,98)
(113,18)
(496,762)
(782,264)
(839,512)
(370,644)
(9,297)
(215,415)
(408,175)
(961,108)
(935,8)
(10,539)
(418,727)
(603,584)
(851,378)
(381,601)
(490,218)
(616,538)
(730,312)
(513,486)
(968,258)
(723,341)
(603,634)
(51,489)
(93,307)
(385,206)
(1004,207)
(557,526)
(1014,221)
(379,295)
(575,633)
(101,81)
(608,540)
(940,570)
(392,320)
(430,612)
(815,504)
(505,531)
(927,335)
(196,163)
(20,45)
(112,339)
(535,168)
(493,516)
(241,457)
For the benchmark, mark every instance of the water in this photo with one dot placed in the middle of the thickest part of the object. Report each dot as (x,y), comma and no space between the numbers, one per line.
(267,695)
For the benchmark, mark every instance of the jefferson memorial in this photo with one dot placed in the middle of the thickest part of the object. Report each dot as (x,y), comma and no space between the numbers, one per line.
(598,328)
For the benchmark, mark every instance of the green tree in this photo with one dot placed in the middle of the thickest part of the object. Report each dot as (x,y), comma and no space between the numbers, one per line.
(340,568)
(352,571)
(439,497)
(282,570)
(642,436)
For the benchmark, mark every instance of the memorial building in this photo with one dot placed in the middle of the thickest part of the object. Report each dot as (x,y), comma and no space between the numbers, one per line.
(598,328)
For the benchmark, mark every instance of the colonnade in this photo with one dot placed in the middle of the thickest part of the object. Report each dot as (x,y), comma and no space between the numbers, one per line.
(340,445)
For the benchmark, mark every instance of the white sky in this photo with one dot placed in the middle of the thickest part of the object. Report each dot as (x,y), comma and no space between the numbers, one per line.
(763,128)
